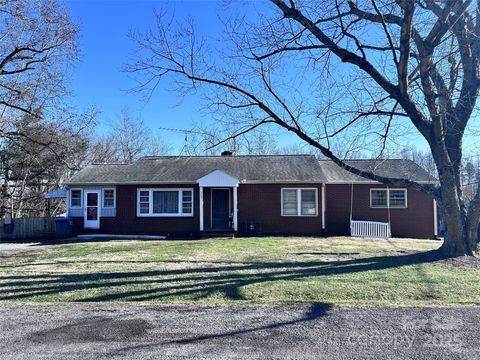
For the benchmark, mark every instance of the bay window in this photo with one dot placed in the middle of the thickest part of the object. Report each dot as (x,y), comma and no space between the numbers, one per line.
(165,202)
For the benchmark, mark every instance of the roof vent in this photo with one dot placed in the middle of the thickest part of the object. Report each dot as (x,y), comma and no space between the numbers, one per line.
(227,153)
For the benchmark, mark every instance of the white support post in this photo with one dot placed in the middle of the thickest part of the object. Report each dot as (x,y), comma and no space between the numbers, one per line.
(68,201)
(235,209)
(200,204)
(435,219)
(323,206)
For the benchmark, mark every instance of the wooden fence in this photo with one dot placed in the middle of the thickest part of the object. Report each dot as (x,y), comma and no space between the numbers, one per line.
(27,228)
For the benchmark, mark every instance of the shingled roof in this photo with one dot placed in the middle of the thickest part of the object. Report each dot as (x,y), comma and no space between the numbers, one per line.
(188,169)
(248,168)
(395,168)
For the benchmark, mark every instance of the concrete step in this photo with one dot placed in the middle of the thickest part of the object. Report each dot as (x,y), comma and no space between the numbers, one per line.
(218,234)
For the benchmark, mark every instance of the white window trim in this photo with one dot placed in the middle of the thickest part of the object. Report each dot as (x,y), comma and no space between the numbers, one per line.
(388,198)
(114,198)
(70,198)
(150,202)
(299,201)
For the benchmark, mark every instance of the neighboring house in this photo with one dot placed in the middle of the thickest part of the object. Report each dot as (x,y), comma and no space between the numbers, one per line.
(284,194)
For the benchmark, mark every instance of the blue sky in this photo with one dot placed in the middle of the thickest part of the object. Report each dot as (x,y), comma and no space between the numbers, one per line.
(98,79)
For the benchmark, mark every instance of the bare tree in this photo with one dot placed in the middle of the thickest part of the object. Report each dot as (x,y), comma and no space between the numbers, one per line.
(38,47)
(38,42)
(126,141)
(365,71)
(206,140)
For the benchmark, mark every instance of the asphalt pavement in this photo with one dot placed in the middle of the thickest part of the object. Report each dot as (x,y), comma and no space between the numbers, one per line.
(135,331)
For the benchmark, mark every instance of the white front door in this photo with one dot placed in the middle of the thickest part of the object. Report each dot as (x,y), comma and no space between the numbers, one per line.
(91,209)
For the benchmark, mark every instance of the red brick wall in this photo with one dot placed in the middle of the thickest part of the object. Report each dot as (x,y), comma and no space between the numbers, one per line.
(415,221)
(258,203)
(127,222)
(261,203)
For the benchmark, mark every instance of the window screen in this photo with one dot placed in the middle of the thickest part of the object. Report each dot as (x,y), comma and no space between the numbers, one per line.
(309,202)
(76,198)
(378,198)
(144,202)
(290,202)
(108,198)
(398,198)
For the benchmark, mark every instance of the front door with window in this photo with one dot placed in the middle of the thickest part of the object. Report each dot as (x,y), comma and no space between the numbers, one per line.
(220,208)
(92,209)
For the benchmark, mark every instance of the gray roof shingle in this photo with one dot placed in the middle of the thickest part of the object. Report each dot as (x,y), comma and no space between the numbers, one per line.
(188,169)
(248,168)
(398,168)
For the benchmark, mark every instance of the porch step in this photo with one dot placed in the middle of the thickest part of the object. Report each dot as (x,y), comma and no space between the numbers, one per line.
(218,234)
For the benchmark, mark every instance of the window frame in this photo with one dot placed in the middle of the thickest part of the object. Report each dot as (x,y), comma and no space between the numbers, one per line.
(114,198)
(299,201)
(71,197)
(388,206)
(150,202)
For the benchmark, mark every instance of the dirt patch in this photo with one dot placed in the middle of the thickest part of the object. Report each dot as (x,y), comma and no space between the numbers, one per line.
(95,330)
(434,257)
(467,262)
(13,249)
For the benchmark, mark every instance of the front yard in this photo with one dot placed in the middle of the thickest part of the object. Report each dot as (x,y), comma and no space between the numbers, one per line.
(243,270)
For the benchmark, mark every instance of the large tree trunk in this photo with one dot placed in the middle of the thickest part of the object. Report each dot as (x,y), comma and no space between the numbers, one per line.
(461,228)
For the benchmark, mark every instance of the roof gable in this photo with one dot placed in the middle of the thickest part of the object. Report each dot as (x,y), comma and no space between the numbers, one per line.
(218,178)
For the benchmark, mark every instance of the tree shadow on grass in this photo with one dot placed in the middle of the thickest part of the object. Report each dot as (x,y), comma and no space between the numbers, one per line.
(323,253)
(189,283)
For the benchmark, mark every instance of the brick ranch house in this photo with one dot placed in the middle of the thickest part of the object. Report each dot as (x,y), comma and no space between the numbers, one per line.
(278,194)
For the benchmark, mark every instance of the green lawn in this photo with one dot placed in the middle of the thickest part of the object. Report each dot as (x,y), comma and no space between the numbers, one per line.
(243,270)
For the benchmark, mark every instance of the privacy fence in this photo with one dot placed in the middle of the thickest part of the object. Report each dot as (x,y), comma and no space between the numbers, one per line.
(27,228)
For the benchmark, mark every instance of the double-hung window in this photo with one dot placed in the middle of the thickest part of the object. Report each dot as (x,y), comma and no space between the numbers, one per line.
(75,198)
(384,198)
(165,202)
(108,198)
(299,202)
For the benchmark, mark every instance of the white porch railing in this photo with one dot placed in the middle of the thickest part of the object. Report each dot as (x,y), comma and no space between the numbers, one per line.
(371,229)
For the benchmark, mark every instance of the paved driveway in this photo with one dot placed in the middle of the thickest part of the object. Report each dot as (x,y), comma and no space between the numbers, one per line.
(117,331)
